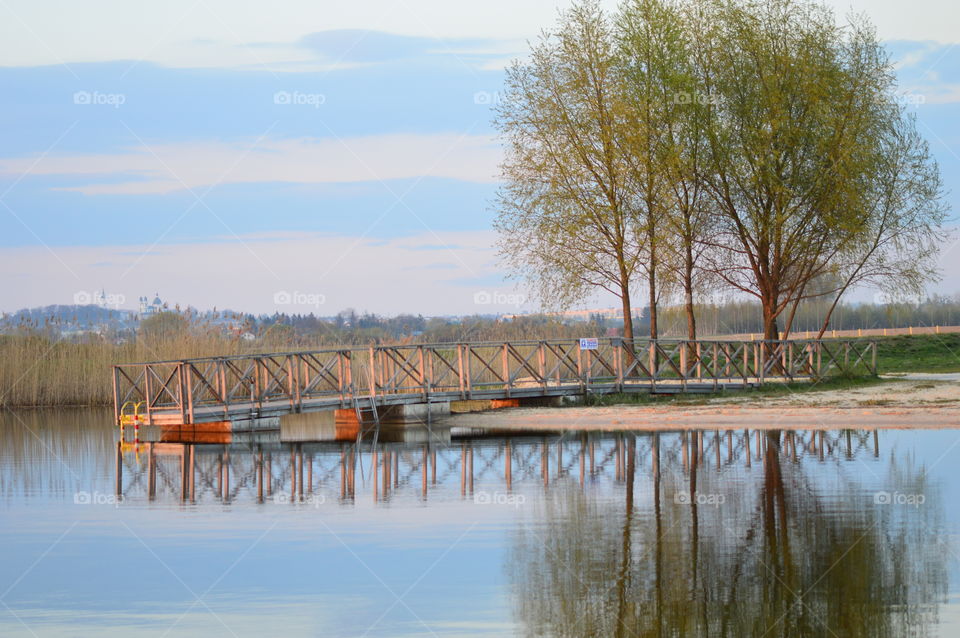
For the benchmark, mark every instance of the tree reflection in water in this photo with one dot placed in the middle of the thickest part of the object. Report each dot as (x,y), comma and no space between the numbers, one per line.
(794,546)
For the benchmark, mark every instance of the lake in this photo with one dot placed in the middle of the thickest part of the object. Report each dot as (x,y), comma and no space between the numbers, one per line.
(694,533)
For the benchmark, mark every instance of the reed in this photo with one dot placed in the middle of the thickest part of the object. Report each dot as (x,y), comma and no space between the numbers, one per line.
(38,371)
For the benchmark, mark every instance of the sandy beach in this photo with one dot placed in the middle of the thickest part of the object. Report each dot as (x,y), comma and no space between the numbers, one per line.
(908,401)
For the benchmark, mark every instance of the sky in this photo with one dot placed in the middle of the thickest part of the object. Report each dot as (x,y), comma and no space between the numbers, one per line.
(302,156)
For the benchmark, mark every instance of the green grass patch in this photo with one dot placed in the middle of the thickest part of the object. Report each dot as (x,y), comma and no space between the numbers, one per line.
(920,353)
(768,390)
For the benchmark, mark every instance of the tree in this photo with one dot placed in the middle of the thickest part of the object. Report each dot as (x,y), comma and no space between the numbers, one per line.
(656,44)
(648,45)
(903,236)
(796,143)
(564,216)
(756,143)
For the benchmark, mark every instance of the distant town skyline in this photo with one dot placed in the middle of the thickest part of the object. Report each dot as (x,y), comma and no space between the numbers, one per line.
(320,160)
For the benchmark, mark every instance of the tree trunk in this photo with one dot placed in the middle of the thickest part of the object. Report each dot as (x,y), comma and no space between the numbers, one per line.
(692,356)
(652,284)
(627,309)
(688,293)
(771,332)
(652,270)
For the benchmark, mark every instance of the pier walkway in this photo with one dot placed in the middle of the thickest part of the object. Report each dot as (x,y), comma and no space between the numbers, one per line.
(232,388)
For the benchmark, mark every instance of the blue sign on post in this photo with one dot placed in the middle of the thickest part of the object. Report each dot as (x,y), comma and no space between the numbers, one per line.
(589,344)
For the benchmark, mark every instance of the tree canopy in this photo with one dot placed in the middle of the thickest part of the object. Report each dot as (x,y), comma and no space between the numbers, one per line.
(748,145)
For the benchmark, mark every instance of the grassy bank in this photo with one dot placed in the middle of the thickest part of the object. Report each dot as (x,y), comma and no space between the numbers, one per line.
(770,390)
(928,353)
(36,371)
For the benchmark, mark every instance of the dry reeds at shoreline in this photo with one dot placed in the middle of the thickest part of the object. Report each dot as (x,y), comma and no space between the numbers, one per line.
(36,371)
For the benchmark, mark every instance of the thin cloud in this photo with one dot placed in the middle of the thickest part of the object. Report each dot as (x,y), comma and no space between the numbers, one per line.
(165,168)
(396,279)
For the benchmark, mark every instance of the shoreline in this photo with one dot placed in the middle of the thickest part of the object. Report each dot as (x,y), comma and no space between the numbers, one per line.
(911,401)
(633,418)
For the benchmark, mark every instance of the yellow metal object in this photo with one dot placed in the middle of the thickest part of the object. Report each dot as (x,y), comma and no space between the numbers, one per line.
(130,418)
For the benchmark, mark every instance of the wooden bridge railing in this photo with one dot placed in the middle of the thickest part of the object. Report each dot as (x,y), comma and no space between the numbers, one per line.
(221,388)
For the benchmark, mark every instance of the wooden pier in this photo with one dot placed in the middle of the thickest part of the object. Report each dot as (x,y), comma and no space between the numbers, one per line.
(365,380)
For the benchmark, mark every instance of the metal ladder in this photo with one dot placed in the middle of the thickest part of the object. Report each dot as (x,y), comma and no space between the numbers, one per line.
(371,410)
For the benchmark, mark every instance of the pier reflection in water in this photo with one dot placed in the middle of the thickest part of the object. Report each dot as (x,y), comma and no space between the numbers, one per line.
(263,466)
(714,534)
(690,533)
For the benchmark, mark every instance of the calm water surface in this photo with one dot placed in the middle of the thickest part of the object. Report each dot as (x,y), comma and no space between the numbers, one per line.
(779,533)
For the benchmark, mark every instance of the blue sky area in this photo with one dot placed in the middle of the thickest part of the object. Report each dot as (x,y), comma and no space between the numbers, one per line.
(356,162)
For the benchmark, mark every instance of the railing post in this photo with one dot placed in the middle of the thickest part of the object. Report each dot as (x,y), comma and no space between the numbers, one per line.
(508,383)
(379,363)
(146,390)
(460,371)
(683,361)
(873,346)
(468,371)
(294,372)
(589,366)
(619,365)
(583,386)
(116,395)
(303,376)
(652,360)
(180,388)
(762,361)
(346,381)
(423,372)
(222,387)
(189,379)
(260,381)
(542,364)
(373,373)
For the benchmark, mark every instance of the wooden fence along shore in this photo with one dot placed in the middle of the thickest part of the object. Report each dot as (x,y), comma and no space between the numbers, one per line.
(264,385)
